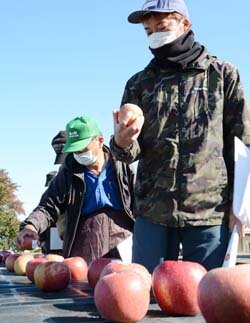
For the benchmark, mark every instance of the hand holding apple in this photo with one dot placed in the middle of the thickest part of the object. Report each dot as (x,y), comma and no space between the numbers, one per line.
(26,236)
(128,123)
(129,113)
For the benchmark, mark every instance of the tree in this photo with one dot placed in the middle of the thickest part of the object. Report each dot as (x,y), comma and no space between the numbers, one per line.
(10,207)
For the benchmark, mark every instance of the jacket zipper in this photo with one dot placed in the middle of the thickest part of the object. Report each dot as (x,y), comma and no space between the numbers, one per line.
(129,213)
(79,214)
(179,150)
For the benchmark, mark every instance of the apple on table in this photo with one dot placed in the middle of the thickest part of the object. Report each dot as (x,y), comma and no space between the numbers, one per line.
(175,286)
(21,263)
(224,295)
(122,296)
(10,260)
(78,268)
(52,276)
(95,268)
(31,266)
(115,267)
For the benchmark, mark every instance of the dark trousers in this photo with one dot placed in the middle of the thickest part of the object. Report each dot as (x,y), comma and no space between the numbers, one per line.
(153,243)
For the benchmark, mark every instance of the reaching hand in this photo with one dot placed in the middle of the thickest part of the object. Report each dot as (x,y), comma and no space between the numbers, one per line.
(29,231)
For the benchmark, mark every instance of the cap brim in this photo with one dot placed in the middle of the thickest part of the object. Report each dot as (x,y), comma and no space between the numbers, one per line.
(60,158)
(136,16)
(76,146)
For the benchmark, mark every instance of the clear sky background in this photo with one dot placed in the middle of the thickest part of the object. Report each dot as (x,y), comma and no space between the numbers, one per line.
(60,59)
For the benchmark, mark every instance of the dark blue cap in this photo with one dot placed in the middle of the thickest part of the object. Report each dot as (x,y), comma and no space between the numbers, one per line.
(166,6)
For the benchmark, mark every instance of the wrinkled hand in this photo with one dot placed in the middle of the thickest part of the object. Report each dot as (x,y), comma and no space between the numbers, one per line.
(126,135)
(234,220)
(28,230)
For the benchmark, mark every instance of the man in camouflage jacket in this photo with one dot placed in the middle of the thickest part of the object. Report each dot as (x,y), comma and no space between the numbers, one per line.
(193,106)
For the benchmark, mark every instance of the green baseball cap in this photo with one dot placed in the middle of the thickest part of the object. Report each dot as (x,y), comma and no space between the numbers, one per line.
(80,132)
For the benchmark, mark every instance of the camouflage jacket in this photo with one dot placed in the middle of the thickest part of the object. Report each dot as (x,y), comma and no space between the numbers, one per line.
(186,147)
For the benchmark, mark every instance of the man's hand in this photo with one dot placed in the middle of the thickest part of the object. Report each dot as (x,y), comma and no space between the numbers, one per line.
(234,220)
(29,230)
(125,134)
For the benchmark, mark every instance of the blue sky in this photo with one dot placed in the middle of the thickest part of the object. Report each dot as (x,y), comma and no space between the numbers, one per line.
(60,59)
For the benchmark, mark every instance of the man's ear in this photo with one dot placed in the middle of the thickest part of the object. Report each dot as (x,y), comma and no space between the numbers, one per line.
(101,140)
(187,24)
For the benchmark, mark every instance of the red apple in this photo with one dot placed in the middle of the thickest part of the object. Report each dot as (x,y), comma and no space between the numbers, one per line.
(39,255)
(27,243)
(52,276)
(6,254)
(95,268)
(21,263)
(78,268)
(122,297)
(129,113)
(1,256)
(10,260)
(31,266)
(115,267)
(224,295)
(54,257)
(175,285)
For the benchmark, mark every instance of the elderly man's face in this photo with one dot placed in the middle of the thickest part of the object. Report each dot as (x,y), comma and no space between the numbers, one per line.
(96,146)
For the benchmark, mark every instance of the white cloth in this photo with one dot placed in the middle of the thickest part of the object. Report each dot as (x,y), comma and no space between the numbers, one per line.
(241,205)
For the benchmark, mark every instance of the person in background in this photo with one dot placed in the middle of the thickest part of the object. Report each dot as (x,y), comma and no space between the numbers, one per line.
(45,238)
(194,105)
(57,144)
(93,190)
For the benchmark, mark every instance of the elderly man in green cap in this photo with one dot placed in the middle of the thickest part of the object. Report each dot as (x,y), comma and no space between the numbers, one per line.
(93,190)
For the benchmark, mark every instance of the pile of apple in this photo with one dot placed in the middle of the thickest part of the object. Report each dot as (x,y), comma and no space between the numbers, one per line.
(49,272)
(122,291)
(4,254)
(185,288)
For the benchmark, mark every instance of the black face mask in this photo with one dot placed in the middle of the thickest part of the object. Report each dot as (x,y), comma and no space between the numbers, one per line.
(180,53)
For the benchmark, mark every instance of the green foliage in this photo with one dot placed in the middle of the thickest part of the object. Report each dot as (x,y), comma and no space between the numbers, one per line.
(10,207)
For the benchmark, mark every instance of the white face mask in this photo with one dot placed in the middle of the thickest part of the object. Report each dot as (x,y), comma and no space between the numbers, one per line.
(162,38)
(87,158)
